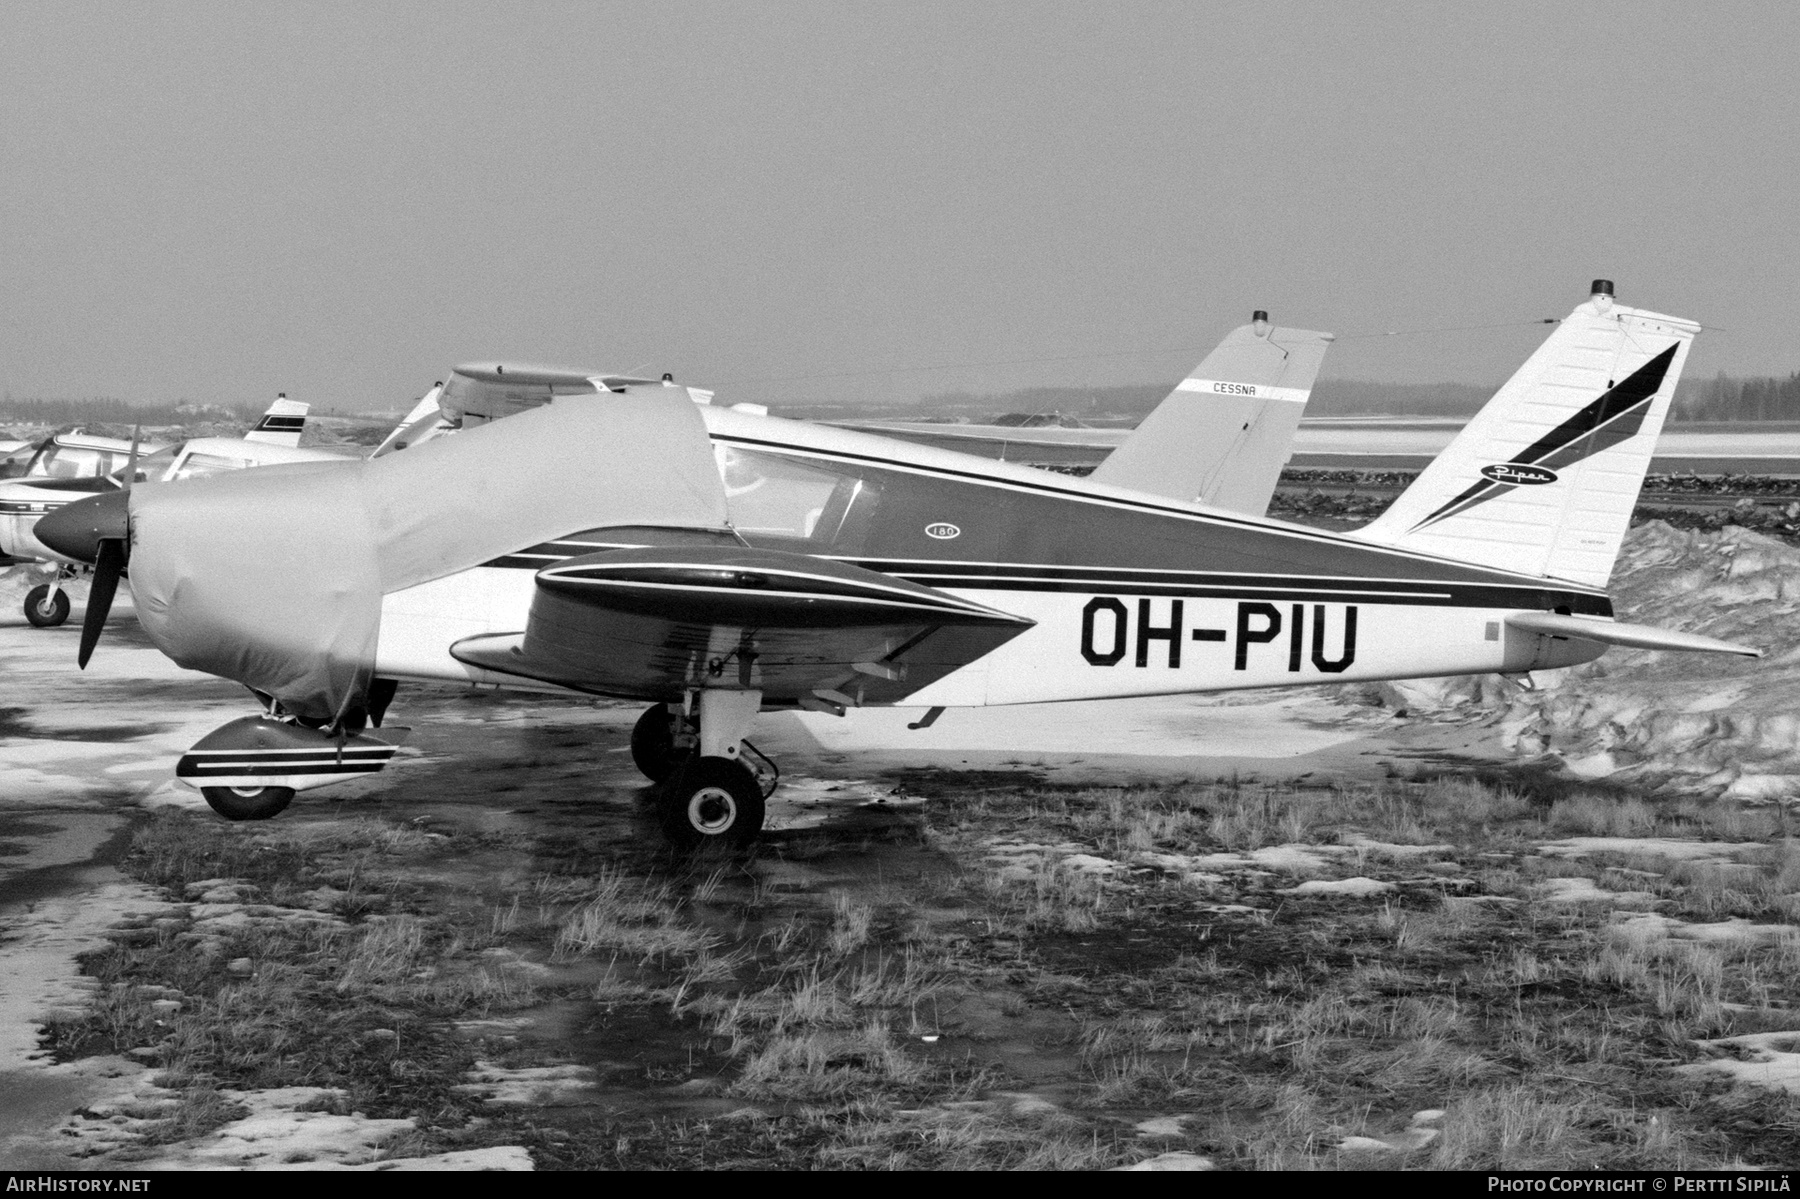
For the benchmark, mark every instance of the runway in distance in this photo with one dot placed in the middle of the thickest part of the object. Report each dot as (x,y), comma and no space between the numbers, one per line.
(714,564)
(73,466)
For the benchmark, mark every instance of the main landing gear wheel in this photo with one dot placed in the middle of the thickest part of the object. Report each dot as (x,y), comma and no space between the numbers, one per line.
(44,610)
(248,803)
(653,745)
(712,801)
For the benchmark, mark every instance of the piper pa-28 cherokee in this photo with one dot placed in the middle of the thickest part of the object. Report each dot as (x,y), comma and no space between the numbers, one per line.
(716,564)
(72,466)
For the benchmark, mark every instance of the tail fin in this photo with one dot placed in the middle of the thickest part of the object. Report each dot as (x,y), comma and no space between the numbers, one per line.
(425,420)
(282,424)
(1223,435)
(1544,479)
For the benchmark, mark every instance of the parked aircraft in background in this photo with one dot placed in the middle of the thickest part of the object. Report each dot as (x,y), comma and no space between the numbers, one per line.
(715,564)
(73,466)
(1222,436)
(480,392)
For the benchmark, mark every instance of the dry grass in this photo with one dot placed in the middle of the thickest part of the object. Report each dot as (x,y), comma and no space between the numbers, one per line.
(634,917)
(1603,816)
(895,1023)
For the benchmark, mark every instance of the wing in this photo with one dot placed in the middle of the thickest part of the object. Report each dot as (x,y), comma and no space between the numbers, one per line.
(805,631)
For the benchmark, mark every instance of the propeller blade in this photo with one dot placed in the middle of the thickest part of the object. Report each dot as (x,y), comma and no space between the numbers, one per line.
(131,458)
(108,566)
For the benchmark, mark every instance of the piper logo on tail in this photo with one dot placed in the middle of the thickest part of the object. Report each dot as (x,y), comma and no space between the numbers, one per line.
(1519,473)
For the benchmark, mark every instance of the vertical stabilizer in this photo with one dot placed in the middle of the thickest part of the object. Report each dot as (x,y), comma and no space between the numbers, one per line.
(426,420)
(1544,479)
(282,424)
(1223,435)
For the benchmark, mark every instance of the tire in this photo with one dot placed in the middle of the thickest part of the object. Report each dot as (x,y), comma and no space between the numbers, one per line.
(248,803)
(46,615)
(653,745)
(712,801)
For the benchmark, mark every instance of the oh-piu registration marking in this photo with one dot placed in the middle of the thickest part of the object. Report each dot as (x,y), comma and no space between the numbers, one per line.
(1114,630)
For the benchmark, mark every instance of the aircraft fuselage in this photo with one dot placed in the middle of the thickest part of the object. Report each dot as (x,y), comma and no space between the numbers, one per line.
(1131,594)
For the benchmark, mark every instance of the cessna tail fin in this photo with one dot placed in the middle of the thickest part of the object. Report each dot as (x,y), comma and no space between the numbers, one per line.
(1544,479)
(282,424)
(424,421)
(1223,435)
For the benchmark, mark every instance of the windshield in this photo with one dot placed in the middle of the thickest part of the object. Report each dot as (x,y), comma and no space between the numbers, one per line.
(775,501)
(198,466)
(70,462)
(13,465)
(150,467)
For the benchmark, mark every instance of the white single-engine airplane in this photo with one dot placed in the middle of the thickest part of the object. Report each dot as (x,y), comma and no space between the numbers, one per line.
(716,564)
(74,466)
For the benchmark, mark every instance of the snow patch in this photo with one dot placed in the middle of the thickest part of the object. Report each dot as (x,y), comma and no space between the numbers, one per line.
(1353,888)
(1663,722)
(1647,927)
(536,1086)
(1673,848)
(278,1136)
(1161,1126)
(39,976)
(1416,1135)
(1585,890)
(1758,1059)
(1387,849)
(1293,859)
(1172,1161)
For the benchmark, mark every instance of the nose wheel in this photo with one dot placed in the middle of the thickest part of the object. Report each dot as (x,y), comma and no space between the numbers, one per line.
(46,607)
(248,803)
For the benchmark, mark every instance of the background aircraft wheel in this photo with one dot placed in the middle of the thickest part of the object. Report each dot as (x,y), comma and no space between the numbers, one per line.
(653,744)
(712,800)
(248,803)
(43,611)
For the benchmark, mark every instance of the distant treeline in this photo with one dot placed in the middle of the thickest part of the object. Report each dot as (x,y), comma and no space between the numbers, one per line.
(1723,398)
(1331,397)
(102,410)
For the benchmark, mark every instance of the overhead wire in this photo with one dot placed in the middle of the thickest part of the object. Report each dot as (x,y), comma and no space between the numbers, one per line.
(951,366)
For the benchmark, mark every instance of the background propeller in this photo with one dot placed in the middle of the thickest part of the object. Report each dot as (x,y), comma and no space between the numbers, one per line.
(112,554)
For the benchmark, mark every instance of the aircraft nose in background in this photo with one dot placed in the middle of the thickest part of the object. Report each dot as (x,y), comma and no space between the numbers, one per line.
(76,530)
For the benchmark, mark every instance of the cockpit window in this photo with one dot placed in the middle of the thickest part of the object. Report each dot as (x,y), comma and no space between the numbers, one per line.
(69,462)
(198,466)
(777,501)
(150,467)
(14,464)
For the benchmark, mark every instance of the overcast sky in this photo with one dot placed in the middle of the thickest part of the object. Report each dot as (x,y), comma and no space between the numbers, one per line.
(340,201)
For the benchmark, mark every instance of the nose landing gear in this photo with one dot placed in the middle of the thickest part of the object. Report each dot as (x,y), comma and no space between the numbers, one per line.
(47,604)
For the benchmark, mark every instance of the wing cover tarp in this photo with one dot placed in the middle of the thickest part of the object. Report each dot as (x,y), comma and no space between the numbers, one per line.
(274,577)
